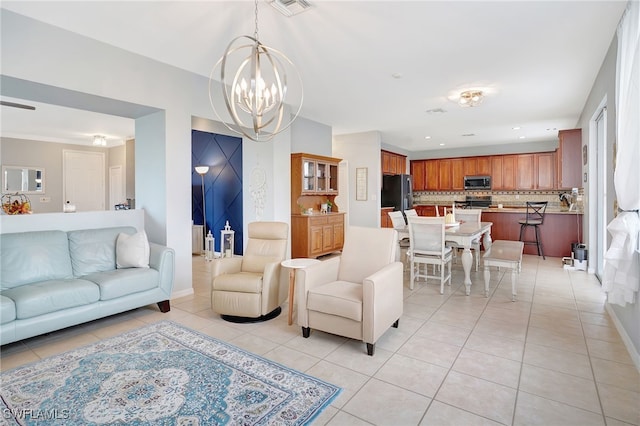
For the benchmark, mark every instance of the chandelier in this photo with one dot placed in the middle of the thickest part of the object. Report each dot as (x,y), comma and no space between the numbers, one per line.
(253,83)
(470,98)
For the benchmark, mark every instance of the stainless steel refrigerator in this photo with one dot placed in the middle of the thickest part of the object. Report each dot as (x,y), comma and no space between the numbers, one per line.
(397,192)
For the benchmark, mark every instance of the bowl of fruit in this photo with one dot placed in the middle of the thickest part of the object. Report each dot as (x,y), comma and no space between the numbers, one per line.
(16,204)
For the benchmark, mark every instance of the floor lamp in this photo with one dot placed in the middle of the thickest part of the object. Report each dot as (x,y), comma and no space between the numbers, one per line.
(202,170)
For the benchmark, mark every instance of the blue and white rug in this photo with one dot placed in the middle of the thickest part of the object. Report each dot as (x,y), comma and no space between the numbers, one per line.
(161,374)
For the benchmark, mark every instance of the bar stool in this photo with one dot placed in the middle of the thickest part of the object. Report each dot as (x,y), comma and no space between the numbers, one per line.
(535,218)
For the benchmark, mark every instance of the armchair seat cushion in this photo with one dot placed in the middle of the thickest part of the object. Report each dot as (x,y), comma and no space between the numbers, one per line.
(45,297)
(341,298)
(241,282)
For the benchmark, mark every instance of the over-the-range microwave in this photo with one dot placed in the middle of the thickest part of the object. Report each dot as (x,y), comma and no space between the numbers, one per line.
(477,183)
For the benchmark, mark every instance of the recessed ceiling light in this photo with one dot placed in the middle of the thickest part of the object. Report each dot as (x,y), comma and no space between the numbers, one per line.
(552,129)
(396,75)
(441,144)
(522,137)
(516,128)
(427,137)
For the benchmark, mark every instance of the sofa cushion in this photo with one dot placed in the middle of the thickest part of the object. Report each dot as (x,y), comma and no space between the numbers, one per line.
(44,297)
(120,282)
(132,251)
(7,309)
(242,282)
(339,298)
(27,257)
(94,250)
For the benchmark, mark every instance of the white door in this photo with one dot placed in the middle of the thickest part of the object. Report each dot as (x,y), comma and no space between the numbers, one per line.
(84,179)
(601,193)
(116,187)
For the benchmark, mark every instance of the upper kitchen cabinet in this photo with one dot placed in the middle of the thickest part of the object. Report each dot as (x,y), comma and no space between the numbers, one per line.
(431,173)
(569,159)
(392,163)
(484,166)
(535,171)
(418,174)
(503,172)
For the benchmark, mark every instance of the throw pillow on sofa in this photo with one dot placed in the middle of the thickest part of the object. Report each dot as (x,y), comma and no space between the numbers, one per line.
(132,251)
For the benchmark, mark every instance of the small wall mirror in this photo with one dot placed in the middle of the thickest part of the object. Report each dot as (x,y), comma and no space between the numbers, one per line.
(26,180)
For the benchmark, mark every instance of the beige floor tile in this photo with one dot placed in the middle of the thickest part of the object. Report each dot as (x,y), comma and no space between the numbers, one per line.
(63,345)
(596,319)
(533,410)
(381,403)
(615,422)
(488,367)
(353,355)
(568,326)
(495,345)
(558,360)
(478,396)
(417,311)
(557,339)
(394,338)
(446,415)
(600,332)
(16,358)
(350,381)
(607,350)
(222,332)
(278,331)
(620,404)
(291,358)
(431,351)
(443,333)
(502,328)
(345,419)
(616,374)
(565,388)
(412,374)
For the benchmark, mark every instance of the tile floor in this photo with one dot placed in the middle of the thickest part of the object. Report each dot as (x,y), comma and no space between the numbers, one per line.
(553,357)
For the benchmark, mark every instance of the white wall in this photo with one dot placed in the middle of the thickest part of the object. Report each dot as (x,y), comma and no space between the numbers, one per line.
(85,74)
(362,150)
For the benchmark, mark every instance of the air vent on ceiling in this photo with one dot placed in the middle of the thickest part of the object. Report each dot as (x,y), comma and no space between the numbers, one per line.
(290,7)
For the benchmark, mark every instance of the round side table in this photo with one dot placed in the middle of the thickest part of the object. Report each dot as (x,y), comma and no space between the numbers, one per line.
(294,264)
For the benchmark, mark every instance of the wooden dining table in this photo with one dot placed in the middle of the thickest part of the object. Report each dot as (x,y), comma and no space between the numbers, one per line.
(463,234)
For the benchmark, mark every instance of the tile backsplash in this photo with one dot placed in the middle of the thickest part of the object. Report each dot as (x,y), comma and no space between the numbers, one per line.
(506,198)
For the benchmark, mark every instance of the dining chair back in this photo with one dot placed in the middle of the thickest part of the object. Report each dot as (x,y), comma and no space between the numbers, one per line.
(468,216)
(427,247)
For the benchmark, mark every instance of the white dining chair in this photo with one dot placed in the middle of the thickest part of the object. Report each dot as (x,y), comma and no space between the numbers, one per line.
(397,220)
(467,216)
(427,247)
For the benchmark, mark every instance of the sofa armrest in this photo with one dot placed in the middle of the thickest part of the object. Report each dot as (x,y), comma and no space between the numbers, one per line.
(382,300)
(162,259)
(310,277)
(225,265)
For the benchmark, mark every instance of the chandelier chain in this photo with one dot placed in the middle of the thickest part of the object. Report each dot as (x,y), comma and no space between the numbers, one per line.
(255,33)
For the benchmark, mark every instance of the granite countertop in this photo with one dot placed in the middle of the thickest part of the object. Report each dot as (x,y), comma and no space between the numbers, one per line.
(517,209)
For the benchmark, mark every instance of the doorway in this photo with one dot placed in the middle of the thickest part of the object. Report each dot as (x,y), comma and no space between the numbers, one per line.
(600,184)
(84,179)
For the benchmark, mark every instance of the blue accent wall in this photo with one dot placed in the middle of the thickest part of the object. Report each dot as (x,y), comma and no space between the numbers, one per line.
(222,183)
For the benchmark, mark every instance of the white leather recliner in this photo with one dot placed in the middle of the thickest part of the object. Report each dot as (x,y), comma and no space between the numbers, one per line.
(358,294)
(248,288)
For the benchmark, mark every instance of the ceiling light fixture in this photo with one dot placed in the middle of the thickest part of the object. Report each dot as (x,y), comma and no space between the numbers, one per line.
(99,140)
(255,93)
(470,98)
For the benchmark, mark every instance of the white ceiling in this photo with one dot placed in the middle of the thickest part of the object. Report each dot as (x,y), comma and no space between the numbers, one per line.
(536,59)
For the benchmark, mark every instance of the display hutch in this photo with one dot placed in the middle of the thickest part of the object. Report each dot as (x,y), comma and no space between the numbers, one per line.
(314,183)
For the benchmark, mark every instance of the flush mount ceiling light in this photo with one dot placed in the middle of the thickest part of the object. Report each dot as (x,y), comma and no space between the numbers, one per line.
(252,80)
(470,98)
(99,140)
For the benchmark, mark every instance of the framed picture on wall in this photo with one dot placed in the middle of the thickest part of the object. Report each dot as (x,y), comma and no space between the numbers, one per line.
(361,184)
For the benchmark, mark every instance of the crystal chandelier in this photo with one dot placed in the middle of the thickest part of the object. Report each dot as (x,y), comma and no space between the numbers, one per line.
(470,98)
(253,82)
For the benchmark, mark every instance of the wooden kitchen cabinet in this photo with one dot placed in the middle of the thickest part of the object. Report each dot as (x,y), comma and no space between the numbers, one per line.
(470,166)
(503,172)
(419,176)
(316,235)
(525,173)
(314,180)
(457,174)
(535,171)
(385,220)
(484,166)
(432,175)
(392,163)
(444,174)
(569,159)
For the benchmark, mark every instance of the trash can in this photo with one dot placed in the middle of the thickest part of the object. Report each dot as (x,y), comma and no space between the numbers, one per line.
(580,256)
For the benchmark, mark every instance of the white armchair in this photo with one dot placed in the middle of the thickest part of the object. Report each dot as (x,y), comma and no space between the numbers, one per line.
(248,288)
(358,294)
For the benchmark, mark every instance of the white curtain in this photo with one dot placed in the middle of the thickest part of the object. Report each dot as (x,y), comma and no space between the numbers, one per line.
(622,261)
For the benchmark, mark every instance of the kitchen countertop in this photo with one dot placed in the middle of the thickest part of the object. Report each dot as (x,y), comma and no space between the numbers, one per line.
(516,209)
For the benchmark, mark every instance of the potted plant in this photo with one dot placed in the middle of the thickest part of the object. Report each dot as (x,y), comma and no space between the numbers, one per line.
(329,204)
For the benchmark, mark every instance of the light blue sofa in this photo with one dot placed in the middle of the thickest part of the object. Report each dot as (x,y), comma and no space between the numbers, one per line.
(50,280)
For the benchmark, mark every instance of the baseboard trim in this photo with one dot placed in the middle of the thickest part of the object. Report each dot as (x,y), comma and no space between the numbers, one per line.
(635,357)
(182,293)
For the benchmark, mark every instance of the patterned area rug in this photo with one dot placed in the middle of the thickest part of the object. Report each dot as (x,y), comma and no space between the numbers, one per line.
(161,374)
